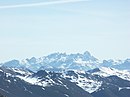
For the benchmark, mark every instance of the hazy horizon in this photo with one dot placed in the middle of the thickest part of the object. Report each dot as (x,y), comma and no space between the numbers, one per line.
(37,28)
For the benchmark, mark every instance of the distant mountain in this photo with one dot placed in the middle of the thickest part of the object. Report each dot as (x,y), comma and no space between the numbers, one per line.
(121,65)
(63,61)
(56,62)
(65,75)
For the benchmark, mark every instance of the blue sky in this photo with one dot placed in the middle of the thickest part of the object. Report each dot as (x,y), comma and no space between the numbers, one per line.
(101,27)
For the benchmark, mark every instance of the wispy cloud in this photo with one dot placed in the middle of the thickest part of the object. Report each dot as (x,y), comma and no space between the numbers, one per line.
(40,4)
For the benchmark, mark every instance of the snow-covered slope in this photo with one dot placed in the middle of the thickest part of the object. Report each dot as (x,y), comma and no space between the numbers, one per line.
(106,72)
(91,81)
(40,84)
(86,80)
(83,80)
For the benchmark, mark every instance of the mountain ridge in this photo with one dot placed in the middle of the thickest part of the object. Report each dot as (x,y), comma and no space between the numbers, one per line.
(62,61)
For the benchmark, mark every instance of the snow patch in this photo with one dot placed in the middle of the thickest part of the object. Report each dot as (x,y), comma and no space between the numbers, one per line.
(106,72)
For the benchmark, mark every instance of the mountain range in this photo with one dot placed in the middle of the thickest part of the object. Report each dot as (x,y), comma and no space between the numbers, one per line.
(63,61)
(65,75)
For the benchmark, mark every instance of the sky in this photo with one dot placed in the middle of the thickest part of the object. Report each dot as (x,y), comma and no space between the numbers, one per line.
(40,27)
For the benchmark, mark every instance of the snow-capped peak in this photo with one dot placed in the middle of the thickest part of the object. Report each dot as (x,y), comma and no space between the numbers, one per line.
(107,71)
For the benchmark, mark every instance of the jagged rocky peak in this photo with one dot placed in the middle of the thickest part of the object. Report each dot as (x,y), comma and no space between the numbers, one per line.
(56,61)
(88,56)
(60,61)
(86,53)
(55,55)
(32,60)
(41,73)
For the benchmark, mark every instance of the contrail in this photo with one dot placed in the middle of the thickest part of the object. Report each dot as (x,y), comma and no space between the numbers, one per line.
(40,4)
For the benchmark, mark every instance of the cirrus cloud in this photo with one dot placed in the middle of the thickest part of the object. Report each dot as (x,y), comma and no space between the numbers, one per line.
(40,4)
